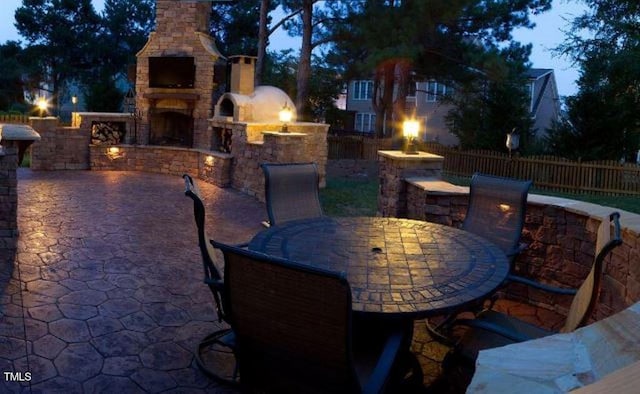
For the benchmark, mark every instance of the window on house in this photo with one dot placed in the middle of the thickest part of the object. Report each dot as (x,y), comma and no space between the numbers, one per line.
(362,90)
(435,91)
(365,122)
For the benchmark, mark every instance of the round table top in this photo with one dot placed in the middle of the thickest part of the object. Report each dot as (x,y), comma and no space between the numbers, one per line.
(394,266)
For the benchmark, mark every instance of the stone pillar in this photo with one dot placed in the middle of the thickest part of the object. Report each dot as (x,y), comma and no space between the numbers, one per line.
(395,167)
(60,148)
(8,202)
(44,151)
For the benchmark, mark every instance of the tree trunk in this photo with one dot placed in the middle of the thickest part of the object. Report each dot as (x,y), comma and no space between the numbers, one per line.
(263,36)
(382,100)
(304,66)
(400,110)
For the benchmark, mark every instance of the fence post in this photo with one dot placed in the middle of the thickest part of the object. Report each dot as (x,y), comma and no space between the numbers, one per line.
(578,182)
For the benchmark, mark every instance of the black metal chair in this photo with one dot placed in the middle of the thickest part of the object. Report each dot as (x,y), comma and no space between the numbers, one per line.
(293,325)
(492,329)
(496,212)
(291,191)
(217,348)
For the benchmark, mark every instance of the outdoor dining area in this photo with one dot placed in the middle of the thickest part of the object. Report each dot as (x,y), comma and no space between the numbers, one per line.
(122,283)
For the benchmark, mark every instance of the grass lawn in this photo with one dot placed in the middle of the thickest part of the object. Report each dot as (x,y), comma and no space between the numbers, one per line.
(353,197)
(349,197)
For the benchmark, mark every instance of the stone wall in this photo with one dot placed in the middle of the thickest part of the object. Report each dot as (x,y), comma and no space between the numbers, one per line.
(8,203)
(85,120)
(251,145)
(60,148)
(69,148)
(560,235)
(212,167)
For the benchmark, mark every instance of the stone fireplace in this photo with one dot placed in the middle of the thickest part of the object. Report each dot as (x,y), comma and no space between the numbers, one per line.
(175,77)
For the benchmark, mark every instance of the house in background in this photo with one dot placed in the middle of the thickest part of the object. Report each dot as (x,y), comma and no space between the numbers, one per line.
(431,111)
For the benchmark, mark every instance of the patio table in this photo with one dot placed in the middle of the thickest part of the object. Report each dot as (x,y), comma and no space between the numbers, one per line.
(396,267)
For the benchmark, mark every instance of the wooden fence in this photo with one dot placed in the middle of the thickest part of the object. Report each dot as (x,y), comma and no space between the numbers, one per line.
(14,118)
(356,147)
(546,172)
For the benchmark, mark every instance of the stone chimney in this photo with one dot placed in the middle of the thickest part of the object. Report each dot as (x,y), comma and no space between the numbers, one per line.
(177,16)
(242,74)
(176,102)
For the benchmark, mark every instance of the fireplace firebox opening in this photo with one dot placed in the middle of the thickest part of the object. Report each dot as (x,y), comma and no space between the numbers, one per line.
(171,128)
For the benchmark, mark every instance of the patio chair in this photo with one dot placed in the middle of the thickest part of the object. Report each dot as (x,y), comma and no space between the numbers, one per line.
(293,325)
(492,329)
(496,212)
(217,348)
(291,192)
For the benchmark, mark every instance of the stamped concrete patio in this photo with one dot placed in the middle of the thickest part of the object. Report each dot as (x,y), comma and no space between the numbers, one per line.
(105,293)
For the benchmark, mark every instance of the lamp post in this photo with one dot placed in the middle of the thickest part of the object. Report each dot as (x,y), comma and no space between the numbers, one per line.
(410,130)
(42,106)
(513,141)
(285,116)
(74,100)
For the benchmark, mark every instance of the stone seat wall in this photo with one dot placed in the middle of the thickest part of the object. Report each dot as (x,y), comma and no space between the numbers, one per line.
(560,235)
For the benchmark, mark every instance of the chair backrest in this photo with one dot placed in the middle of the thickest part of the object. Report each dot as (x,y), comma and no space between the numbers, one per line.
(292,323)
(497,208)
(212,276)
(291,191)
(585,299)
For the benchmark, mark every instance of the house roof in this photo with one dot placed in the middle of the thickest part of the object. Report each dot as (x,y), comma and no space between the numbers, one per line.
(537,73)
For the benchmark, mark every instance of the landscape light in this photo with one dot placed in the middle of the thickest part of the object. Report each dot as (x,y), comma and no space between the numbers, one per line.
(410,130)
(285,116)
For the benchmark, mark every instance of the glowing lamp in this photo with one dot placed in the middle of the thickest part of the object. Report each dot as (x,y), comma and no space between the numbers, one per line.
(410,130)
(513,141)
(42,105)
(285,116)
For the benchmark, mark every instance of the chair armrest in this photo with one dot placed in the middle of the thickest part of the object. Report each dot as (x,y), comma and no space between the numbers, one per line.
(494,328)
(378,378)
(217,284)
(242,245)
(541,286)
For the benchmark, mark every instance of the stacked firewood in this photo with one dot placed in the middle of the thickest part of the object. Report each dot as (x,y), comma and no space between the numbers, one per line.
(107,133)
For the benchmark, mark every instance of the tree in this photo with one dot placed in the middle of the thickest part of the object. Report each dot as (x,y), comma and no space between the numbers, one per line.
(315,29)
(125,27)
(603,119)
(324,85)
(453,41)
(486,109)
(11,85)
(235,26)
(61,36)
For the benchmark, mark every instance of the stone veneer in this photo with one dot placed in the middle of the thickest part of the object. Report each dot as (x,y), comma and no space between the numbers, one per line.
(251,145)
(8,203)
(560,235)
(181,30)
(64,148)
(394,168)
(212,167)
(60,148)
